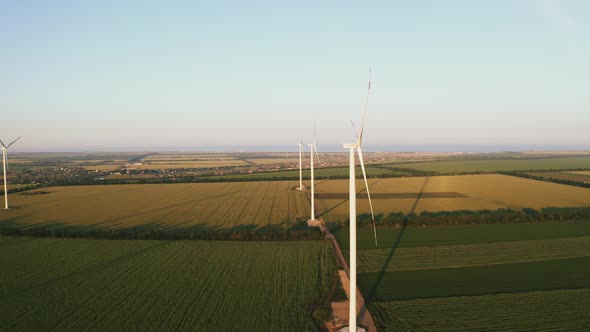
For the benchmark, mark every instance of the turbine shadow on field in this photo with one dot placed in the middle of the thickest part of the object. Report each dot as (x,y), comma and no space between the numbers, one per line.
(389,259)
(346,200)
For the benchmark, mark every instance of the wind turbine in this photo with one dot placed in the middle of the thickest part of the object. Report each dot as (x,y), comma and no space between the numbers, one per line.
(313,149)
(352,312)
(300,164)
(4,159)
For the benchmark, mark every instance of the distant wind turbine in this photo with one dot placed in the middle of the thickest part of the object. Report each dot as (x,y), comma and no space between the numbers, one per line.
(5,165)
(352,325)
(300,164)
(313,149)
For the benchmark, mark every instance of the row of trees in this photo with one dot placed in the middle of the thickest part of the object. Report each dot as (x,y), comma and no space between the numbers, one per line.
(462,217)
(298,231)
(549,179)
(20,188)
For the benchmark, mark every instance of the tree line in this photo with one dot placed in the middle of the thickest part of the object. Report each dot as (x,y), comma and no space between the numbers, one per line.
(463,217)
(298,232)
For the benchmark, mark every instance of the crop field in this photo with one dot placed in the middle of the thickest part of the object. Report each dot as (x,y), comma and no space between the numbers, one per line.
(560,310)
(495,165)
(470,278)
(273,161)
(567,176)
(454,256)
(186,160)
(448,193)
(159,207)
(103,167)
(173,164)
(73,284)
(320,173)
(582,173)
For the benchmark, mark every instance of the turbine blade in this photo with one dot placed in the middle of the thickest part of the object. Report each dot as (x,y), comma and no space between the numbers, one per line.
(360,136)
(4,145)
(356,135)
(316,152)
(362,162)
(9,145)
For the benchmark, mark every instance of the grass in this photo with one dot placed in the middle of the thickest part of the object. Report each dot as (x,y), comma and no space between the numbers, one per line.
(68,284)
(161,207)
(463,235)
(570,273)
(451,256)
(461,166)
(489,191)
(560,310)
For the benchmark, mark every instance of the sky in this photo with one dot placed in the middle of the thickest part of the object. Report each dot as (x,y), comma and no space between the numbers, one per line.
(104,75)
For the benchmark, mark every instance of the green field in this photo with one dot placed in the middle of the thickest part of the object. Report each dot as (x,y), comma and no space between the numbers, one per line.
(570,273)
(464,234)
(453,256)
(164,207)
(320,173)
(465,278)
(495,165)
(69,284)
(561,310)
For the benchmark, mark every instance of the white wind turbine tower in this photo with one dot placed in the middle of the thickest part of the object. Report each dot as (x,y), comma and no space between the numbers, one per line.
(300,164)
(4,159)
(352,310)
(313,149)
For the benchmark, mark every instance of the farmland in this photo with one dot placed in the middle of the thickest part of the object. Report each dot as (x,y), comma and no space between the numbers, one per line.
(560,310)
(465,234)
(467,192)
(496,165)
(174,207)
(416,278)
(465,278)
(172,161)
(566,176)
(69,284)
(320,173)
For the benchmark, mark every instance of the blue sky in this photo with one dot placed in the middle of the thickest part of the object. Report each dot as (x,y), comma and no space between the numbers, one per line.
(141,74)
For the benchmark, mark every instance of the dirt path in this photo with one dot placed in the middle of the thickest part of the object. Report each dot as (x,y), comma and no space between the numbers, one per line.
(340,309)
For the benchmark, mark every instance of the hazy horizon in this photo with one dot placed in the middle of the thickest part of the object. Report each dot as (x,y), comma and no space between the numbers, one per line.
(442,148)
(111,75)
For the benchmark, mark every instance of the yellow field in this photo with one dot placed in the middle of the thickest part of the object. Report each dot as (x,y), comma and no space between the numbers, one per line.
(161,206)
(189,164)
(493,191)
(189,156)
(103,167)
(581,172)
(274,161)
